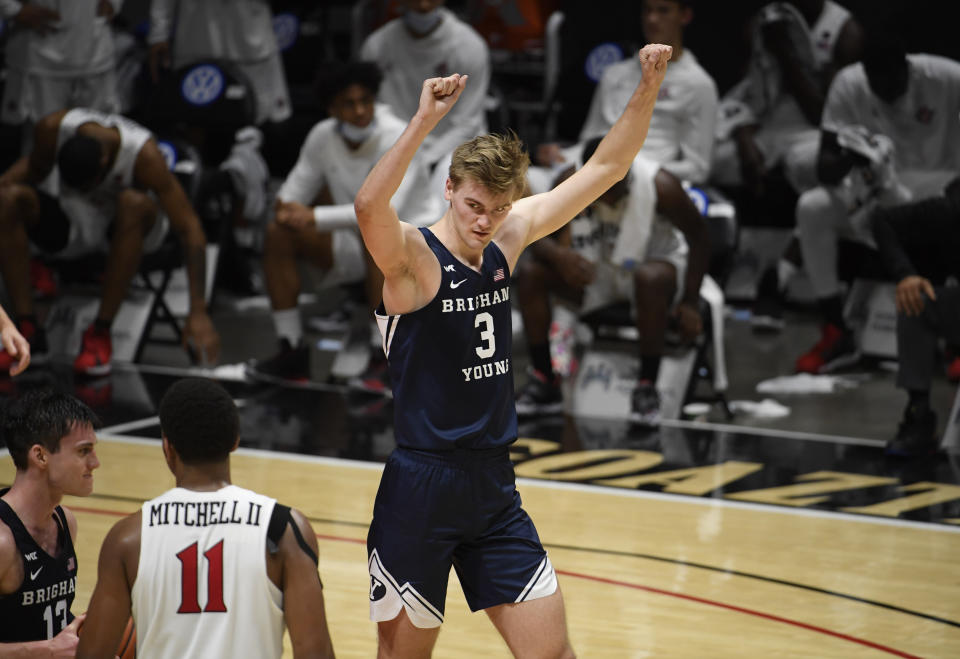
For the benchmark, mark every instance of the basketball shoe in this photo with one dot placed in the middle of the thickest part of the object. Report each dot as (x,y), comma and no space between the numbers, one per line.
(645,404)
(916,436)
(290,364)
(96,350)
(836,349)
(540,395)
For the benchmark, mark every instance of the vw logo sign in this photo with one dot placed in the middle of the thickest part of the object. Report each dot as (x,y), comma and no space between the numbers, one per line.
(600,58)
(286,27)
(202,85)
(169,153)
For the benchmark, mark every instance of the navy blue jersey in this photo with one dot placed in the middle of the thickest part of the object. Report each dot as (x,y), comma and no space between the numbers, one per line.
(450,361)
(40,608)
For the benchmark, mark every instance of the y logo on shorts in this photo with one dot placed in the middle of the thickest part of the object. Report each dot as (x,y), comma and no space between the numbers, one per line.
(377,589)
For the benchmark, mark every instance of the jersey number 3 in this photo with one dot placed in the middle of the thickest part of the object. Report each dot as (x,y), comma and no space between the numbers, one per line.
(489,346)
(189,578)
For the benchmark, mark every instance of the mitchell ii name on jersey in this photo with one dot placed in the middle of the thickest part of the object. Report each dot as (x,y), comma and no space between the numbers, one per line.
(49,593)
(476,302)
(204,513)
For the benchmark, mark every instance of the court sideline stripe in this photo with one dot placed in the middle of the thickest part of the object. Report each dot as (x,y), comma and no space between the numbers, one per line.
(594,550)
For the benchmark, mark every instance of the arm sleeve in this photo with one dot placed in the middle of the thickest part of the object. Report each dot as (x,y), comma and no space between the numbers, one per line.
(697,136)
(161,20)
(840,108)
(339,216)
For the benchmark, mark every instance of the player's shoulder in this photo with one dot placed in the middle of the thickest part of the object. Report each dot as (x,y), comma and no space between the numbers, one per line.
(321,132)
(125,531)
(9,553)
(934,66)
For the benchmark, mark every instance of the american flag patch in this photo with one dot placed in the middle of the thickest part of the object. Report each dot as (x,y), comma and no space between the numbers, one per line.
(498,275)
(70,564)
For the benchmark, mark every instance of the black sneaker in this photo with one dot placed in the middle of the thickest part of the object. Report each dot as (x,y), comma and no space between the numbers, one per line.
(291,364)
(916,436)
(539,395)
(376,378)
(645,404)
(768,308)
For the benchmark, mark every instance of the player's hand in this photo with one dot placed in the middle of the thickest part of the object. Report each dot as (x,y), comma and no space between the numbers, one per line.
(17,347)
(199,333)
(653,61)
(688,320)
(105,9)
(293,214)
(575,270)
(439,95)
(64,644)
(911,292)
(159,60)
(752,164)
(40,19)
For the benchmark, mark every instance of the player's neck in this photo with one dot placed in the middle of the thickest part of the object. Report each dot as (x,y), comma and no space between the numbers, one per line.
(446,233)
(204,478)
(32,499)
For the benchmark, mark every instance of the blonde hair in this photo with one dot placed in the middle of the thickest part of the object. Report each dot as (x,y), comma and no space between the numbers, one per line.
(497,162)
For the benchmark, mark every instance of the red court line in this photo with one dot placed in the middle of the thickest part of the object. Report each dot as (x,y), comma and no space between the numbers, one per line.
(649,589)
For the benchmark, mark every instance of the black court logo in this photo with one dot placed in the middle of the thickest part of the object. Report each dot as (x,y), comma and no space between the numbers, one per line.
(377,590)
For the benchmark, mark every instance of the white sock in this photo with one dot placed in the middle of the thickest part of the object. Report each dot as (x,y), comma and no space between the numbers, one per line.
(288,325)
(785,272)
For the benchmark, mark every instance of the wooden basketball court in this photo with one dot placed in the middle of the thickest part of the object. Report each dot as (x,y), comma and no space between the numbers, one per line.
(643,574)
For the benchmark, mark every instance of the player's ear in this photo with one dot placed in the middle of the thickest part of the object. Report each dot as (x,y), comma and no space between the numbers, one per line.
(38,456)
(168,452)
(236,444)
(448,190)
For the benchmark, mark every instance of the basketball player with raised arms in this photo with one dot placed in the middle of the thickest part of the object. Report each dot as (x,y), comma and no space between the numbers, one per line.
(50,436)
(448,492)
(207,569)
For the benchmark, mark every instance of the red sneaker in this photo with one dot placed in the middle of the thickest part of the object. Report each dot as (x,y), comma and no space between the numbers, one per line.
(953,370)
(42,280)
(835,349)
(95,352)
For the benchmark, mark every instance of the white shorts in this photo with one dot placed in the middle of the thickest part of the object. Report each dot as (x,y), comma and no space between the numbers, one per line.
(613,283)
(29,96)
(269,88)
(89,225)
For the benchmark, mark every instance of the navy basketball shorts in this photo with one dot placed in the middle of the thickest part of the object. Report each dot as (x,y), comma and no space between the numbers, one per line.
(459,508)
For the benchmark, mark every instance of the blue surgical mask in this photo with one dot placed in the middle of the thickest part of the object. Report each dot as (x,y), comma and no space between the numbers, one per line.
(422,23)
(356,134)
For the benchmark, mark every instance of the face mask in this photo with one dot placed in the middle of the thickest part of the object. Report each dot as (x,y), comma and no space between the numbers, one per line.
(422,23)
(356,134)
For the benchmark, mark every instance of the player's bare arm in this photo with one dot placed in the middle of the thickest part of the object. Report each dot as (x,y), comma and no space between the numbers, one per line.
(34,167)
(411,272)
(11,567)
(303,606)
(534,217)
(110,604)
(151,173)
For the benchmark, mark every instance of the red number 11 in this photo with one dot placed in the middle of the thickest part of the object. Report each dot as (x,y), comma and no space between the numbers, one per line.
(189,601)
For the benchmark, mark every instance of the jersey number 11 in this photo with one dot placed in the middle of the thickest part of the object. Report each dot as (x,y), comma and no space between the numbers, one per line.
(189,576)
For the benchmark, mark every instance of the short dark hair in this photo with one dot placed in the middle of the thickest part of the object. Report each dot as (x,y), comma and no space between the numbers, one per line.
(334,77)
(200,420)
(79,161)
(41,416)
(884,50)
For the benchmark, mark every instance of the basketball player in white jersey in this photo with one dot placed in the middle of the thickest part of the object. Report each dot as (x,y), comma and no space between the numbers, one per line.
(207,569)
(97,182)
